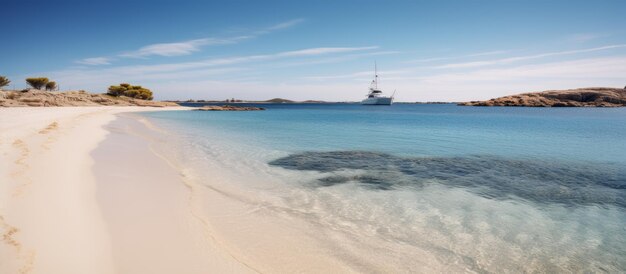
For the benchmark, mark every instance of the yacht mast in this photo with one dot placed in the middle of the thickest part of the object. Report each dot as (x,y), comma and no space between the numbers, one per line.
(375,76)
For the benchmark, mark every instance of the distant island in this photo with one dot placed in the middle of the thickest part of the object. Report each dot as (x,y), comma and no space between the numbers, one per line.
(287,101)
(582,97)
(228,108)
(270,101)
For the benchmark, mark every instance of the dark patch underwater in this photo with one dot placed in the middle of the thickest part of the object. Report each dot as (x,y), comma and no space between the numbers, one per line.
(488,176)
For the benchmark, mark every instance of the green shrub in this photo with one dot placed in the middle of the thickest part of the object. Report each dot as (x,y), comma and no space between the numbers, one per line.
(4,81)
(37,82)
(127,90)
(50,86)
(131,93)
(116,90)
(144,94)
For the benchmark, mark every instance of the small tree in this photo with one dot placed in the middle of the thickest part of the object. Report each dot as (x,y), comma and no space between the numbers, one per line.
(37,82)
(4,81)
(144,94)
(116,90)
(137,92)
(50,86)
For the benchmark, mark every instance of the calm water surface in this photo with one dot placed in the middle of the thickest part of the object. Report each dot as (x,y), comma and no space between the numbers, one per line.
(491,189)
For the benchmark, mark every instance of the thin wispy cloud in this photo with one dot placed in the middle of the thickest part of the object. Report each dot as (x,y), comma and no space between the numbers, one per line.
(524,58)
(356,75)
(495,52)
(334,59)
(607,67)
(232,60)
(188,47)
(320,51)
(427,60)
(434,59)
(283,25)
(175,71)
(181,48)
(95,61)
(191,46)
(585,37)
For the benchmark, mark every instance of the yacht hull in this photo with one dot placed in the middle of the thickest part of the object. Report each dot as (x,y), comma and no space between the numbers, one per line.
(378,101)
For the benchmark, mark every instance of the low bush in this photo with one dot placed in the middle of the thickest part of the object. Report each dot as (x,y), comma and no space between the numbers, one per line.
(4,81)
(50,86)
(128,90)
(37,82)
(116,90)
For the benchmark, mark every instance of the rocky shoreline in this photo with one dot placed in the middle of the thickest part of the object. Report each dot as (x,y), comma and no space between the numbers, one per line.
(583,97)
(39,98)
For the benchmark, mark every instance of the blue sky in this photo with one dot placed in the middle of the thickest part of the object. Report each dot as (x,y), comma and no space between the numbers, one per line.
(426,50)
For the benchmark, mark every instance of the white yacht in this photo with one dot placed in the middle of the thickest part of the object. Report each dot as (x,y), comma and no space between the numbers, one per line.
(375,96)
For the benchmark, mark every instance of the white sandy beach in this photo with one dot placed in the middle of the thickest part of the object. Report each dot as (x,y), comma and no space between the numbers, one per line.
(106,190)
(57,217)
(90,190)
(83,190)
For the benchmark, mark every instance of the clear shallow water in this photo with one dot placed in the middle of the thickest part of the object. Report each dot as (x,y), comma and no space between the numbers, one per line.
(487,189)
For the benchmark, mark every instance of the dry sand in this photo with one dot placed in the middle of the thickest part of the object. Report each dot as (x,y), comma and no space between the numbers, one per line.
(146,206)
(86,190)
(57,217)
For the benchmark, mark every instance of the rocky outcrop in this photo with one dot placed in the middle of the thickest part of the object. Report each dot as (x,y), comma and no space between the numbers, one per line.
(228,108)
(583,97)
(38,98)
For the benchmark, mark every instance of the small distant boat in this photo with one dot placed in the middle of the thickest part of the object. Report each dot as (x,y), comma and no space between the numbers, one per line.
(375,96)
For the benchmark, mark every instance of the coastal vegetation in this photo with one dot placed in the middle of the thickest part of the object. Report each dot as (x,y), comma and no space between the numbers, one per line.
(39,95)
(40,98)
(50,86)
(128,90)
(37,82)
(4,81)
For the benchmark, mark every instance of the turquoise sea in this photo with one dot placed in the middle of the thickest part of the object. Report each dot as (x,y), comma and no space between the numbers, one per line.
(487,189)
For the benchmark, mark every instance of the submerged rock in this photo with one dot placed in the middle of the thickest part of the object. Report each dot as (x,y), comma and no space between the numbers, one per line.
(228,108)
(584,97)
(491,177)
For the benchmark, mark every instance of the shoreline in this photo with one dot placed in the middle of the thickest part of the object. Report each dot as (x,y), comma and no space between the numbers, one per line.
(222,214)
(50,219)
(264,232)
(109,190)
(104,200)
(147,206)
